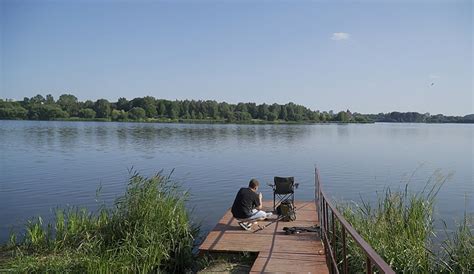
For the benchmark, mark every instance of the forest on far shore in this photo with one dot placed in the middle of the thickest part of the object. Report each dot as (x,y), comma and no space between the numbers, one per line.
(68,107)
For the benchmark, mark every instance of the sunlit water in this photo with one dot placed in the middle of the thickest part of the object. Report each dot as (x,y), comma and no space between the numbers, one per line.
(48,164)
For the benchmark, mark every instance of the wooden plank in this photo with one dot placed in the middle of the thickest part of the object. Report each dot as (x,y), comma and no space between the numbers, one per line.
(277,252)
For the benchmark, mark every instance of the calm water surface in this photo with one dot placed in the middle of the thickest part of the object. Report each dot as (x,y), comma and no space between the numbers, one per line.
(48,164)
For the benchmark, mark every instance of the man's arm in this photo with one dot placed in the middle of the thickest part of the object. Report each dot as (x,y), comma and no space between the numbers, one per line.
(260,200)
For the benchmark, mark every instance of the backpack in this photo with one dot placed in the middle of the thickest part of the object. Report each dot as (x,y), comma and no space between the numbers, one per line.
(286,211)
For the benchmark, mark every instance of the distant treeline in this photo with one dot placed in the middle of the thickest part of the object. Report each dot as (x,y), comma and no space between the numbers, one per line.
(148,108)
(415,117)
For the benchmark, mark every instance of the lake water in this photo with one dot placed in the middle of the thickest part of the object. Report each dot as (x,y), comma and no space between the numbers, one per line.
(48,164)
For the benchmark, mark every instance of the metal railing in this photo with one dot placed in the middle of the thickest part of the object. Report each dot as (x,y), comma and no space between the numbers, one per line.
(335,246)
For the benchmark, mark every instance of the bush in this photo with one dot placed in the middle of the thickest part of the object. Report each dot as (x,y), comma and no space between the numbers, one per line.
(137,113)
(272,116)
(13,112)
(243,116)
(87,113)
(46,112)
(148,230)
(119,115)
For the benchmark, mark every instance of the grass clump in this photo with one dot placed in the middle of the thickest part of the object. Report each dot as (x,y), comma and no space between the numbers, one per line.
(400,228)
(147,230)
(237,262)
(458,248)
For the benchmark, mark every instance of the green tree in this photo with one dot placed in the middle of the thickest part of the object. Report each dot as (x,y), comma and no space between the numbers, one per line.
(349,115)
(324,116)
(161,108)
(50,99)
(26,102)
(212,109)
(224,111)
(313,116)
(68,103)
(147,103)
(102,108)
(87,113)
(290,110)
(230,117)
(46,112)
(123,104)
(137,113)
(87,104)
(173,110)
(263,111)
(242,107)
(275,110)
(118,115)
(184,109)
(38,99)
(242,116)
(342,117)
(150,106)
(253,110)
(360,119)
(12,110)
(271,116)
(283,115)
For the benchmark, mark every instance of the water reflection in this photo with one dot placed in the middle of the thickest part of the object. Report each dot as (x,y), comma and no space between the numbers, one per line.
(68,137)
(60,163)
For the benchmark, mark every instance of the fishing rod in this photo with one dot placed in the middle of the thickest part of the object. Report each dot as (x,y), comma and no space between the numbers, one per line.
(269,223)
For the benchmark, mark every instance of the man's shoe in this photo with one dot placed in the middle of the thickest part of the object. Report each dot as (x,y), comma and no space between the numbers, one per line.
(244,226)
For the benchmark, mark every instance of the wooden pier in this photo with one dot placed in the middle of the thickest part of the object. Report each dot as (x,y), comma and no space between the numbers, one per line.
(277,252)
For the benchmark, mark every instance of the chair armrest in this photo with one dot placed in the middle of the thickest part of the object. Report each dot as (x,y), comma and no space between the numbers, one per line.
(270,185)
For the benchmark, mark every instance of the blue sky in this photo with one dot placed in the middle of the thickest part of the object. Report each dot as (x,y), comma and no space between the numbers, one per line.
(366,56)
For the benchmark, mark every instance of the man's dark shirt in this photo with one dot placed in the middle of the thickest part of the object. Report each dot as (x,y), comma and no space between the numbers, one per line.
(244,202)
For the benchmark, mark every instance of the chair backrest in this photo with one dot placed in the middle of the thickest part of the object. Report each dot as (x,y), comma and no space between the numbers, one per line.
(284,185)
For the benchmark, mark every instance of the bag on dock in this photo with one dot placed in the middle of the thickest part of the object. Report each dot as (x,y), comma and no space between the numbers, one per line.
(286,210)
(297,229)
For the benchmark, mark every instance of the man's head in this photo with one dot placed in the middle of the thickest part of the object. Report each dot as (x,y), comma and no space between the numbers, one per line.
(253,184)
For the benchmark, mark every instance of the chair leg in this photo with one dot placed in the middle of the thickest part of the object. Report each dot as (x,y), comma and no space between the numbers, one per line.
(274,209)
(293,201)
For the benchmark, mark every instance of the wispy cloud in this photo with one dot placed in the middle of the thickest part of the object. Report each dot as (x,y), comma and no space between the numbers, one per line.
(340,36)
(433,76)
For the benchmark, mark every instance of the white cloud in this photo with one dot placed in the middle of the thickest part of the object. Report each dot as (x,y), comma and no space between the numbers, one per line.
(340,36)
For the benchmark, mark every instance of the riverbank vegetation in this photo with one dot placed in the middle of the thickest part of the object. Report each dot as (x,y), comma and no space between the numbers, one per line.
(150,109)
(400,228)
(147,230)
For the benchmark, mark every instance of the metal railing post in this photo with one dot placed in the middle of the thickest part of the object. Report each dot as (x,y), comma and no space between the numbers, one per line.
(369,265)
(333,223)
(344,251)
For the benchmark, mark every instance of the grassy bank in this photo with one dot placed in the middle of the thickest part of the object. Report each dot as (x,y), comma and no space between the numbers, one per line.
(147,230)
(400,227)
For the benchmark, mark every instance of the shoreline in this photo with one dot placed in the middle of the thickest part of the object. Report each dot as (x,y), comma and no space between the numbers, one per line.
(192,121)
(223,122)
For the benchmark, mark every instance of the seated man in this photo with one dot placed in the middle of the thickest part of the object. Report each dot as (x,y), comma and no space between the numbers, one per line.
(247,206)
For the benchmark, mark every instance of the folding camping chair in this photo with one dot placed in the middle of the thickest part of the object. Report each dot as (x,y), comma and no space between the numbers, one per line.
(283,189)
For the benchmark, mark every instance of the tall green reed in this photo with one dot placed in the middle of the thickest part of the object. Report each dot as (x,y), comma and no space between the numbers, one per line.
(458,247)
(400,227)
(147,230)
